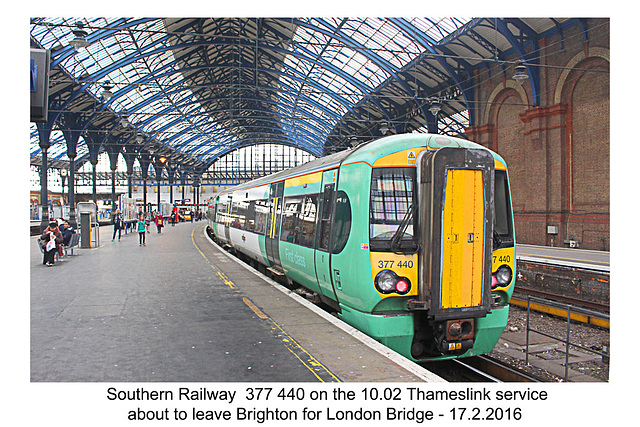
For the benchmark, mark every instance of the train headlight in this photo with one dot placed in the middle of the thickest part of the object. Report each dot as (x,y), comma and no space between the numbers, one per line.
(503,276)
(389,282)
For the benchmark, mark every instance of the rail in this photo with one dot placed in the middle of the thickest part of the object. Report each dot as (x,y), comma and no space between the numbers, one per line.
(567,342)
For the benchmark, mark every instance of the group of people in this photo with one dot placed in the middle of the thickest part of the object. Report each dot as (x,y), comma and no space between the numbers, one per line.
(55,239)
(143,225)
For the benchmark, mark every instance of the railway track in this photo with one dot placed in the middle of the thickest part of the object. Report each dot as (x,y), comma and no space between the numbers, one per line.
(580,302)
(477,369)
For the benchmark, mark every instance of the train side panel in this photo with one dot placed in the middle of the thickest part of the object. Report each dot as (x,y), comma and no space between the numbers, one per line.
(298,229)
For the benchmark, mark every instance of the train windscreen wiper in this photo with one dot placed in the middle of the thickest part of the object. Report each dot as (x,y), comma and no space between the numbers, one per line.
(402,228)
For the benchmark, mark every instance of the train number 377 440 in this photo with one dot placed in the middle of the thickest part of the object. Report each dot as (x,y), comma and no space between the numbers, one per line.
(397,264)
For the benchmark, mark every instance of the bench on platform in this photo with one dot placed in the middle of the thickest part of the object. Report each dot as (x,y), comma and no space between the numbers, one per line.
(73,243)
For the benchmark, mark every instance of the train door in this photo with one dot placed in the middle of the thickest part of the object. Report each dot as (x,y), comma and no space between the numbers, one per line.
(323,237)
(456,194)
(272,237)
(227,219)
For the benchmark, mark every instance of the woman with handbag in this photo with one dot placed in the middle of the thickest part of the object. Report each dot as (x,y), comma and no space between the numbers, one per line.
(50,239)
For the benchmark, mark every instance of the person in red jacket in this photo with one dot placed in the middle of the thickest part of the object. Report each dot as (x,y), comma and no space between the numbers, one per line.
(159,220)
(50,239)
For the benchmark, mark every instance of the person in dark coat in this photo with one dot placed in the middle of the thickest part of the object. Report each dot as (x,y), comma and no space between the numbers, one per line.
(118,225)
(67,231)
(50,234)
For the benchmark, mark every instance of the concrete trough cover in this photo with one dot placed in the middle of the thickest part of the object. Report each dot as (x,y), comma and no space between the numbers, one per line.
(95,306)
(520,338)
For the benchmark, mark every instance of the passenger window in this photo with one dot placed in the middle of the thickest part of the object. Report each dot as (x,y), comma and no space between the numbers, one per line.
(325,218)
(261,211)
(221,213)
(299,220)
(342,224)
(307,220)
(290,230)
(250,222)
(238,213)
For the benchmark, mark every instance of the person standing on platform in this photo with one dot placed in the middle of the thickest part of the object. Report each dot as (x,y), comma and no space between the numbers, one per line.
(117,225)
(142,230)
(51,238)
(147,220)
(159,220)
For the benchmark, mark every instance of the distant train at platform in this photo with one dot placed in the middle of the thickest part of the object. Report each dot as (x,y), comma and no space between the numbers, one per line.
(408,238)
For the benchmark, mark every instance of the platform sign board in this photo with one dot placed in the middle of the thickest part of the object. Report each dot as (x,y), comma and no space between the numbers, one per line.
(39,84)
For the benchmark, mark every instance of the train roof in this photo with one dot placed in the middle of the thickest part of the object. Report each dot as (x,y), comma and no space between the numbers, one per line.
(366,151)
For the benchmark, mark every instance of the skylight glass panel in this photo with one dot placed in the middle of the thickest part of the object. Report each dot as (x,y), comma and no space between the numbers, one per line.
(438,28)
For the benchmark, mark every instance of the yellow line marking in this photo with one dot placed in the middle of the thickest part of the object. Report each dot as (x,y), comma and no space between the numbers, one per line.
(201,253)
(562,313)
(220,274)
(255,309)
(292,345)
(226,280)
(311,361)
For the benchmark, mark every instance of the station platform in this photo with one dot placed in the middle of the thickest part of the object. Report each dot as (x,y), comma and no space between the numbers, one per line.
(181,310)
(567,257)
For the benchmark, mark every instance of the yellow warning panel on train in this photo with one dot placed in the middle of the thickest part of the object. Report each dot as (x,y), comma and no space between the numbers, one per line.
(463,232)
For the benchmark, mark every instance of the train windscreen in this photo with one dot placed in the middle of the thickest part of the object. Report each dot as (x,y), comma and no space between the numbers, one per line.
(391,212)
(502,226)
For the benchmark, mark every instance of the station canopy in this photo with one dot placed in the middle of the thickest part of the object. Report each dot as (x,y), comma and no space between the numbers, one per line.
(195,89)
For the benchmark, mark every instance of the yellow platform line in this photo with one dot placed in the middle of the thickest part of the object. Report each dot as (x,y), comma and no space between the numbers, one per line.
(255,309)
(321,372)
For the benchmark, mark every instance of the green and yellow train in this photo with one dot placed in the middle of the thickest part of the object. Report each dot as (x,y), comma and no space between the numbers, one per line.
(409,238)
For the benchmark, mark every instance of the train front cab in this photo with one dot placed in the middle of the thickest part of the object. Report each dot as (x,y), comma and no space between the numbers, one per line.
(442,254)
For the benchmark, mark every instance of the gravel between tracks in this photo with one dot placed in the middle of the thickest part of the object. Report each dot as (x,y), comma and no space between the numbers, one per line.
(586,336)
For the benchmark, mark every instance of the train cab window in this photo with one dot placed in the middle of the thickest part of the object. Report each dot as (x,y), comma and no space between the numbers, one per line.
(502,227)
(299,220)
(392,200)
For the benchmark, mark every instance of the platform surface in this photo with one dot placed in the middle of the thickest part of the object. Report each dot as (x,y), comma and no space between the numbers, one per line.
(179,309)
(578,258)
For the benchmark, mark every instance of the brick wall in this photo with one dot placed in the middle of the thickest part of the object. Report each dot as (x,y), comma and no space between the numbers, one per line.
(557,152)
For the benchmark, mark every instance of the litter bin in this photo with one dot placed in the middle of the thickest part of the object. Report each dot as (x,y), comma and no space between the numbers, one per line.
(88,223)
(85,229)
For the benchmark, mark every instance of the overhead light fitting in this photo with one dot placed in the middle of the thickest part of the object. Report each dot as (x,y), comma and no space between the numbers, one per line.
(80,37)
(124,120)
(106,91)
(434,107)
(139,138)
(384,128)
(520,73)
